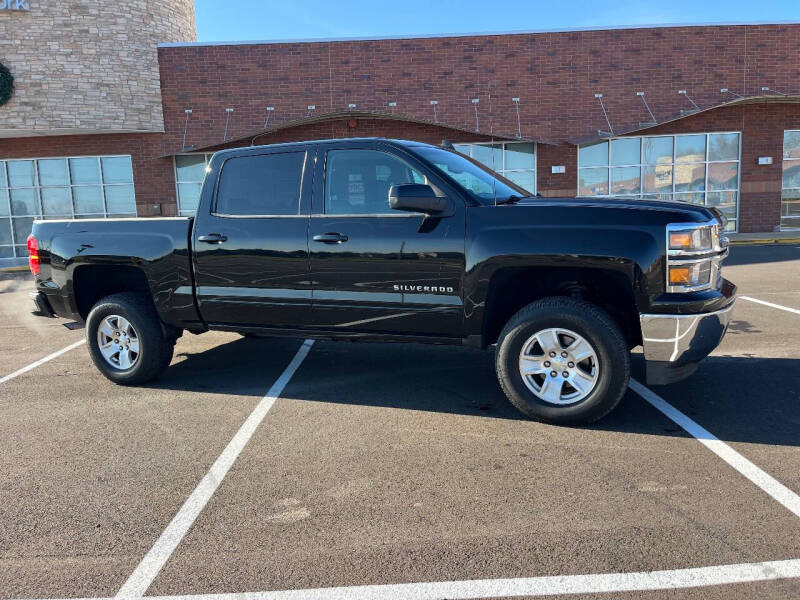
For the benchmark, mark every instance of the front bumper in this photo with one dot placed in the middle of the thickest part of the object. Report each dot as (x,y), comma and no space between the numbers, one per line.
(674,345)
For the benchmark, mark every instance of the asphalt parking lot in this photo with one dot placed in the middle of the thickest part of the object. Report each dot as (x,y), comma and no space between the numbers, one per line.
(260,465)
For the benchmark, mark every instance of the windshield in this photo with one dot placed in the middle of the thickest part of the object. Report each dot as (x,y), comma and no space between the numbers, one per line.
(483,183)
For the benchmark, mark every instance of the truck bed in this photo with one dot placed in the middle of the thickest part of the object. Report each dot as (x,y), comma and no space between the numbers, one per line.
(154,250)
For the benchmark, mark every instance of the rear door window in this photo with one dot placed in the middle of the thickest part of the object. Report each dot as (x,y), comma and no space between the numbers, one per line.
(261,185)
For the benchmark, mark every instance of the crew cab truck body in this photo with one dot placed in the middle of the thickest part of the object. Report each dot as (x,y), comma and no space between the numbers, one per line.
(385,240)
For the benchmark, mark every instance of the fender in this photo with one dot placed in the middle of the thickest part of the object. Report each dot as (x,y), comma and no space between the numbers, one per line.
(633,252)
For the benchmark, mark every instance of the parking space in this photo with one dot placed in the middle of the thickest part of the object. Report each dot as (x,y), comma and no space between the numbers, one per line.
(93,472)
(394,464)
(414,481)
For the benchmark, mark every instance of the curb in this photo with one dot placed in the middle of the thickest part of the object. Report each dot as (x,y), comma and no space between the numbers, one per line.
(14,269)
(766,240)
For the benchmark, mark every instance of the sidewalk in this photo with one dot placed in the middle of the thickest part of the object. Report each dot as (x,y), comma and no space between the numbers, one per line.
(772,237)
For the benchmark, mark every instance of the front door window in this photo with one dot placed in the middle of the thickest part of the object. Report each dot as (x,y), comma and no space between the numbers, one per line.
(357,182)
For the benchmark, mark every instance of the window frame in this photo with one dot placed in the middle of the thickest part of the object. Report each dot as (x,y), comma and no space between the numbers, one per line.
(784,189)
(37,188)
(642,195)
(301,190)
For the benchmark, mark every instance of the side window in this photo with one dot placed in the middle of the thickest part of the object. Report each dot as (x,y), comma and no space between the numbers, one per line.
(262,184)
(357,182)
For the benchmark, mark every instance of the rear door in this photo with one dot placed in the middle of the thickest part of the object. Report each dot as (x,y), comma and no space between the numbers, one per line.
(251,241)
(376,269)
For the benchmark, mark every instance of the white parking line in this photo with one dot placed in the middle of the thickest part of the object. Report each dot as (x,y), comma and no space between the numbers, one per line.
(533,586)
(556,585)
(156,558)
(771,305)
(41,361)
(761,478)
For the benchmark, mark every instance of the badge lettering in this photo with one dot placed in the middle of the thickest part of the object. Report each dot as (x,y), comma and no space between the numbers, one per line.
(434,289)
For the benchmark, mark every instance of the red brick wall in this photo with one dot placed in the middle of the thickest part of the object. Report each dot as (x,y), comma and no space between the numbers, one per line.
(554,74)
(556,184)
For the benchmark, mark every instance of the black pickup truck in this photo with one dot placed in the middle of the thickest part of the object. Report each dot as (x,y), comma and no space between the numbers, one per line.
(385,240)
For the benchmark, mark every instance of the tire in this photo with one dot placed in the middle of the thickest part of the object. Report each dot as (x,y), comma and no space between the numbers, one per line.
(145,333)
(600,379)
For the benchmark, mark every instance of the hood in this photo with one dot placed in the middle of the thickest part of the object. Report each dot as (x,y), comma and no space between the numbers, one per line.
(675,211)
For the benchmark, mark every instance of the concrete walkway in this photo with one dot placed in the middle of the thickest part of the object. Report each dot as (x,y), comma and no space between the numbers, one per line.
(773,237)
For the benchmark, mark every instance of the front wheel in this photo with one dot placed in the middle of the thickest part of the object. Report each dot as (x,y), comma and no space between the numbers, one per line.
(564,361)
(126,341)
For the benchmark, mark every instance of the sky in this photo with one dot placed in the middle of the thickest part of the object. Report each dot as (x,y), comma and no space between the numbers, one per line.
(240,20)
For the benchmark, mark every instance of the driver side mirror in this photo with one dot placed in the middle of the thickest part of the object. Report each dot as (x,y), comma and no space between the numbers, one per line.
(416,197)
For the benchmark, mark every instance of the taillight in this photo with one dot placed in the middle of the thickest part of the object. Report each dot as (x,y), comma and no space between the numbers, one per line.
(33,254)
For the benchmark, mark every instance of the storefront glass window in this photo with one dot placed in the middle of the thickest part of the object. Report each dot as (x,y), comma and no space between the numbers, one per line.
(790,192)
(190,170)
(60,188)
(690,149)
(513,160)
(697,168)
(626,151)
(84,171)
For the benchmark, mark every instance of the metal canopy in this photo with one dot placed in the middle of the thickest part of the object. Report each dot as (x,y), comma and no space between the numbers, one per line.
(345,115)
(640,127)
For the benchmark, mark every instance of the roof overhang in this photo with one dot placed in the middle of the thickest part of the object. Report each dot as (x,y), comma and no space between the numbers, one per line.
(642,127)
(252,138)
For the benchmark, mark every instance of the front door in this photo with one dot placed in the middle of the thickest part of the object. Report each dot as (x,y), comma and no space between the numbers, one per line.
(375,269)
(251,242)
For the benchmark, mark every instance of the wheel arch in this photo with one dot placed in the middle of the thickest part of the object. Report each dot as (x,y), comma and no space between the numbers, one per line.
(91,283)
(512,288)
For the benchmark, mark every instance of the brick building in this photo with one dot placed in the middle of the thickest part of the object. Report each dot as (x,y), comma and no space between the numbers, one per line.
(707,114)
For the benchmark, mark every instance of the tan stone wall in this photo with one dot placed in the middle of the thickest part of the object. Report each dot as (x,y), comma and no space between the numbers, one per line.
(88,66)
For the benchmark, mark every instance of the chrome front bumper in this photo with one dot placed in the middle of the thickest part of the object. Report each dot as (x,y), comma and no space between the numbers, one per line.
(675,344)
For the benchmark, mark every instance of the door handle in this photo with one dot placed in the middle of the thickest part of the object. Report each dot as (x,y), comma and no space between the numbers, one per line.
(213,238)
(330,238)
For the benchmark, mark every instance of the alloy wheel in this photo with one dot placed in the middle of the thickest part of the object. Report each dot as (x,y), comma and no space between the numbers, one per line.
(118,342)
(559,366)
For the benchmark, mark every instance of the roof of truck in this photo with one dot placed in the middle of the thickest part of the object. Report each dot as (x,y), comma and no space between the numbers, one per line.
(244,149)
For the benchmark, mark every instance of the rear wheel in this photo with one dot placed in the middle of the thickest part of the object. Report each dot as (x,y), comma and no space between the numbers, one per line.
(126,340)
(562,360)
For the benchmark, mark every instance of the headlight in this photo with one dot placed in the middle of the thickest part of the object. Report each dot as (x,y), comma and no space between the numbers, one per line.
(694,254)
(691,240)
